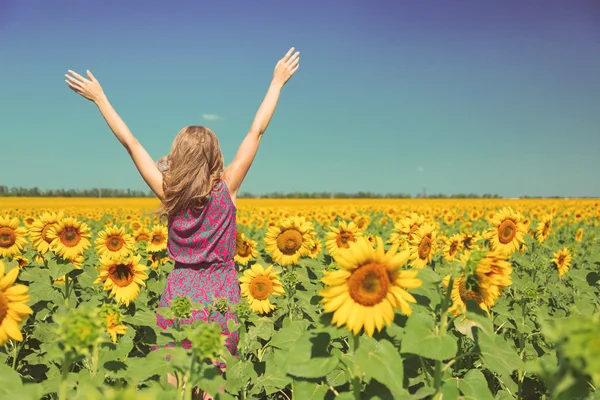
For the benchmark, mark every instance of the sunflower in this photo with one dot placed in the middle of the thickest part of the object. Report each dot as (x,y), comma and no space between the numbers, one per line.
(257,284)
(452,247)
(368,287)
(491,275)
(405,228)
(341,237)
(562,259)
(136,225)
(12,237)
(423,246)
(70,238)
(23,261)
(28,221)
(290,240)
(141,235)
(316,250)
(469,240)
(13,309)
(508,231)
(122,277)
(114,242)
(38,232)
(579,235)
(245,250)
(112,323)
(362,222)
(543,228)
(158,239)
(460,294)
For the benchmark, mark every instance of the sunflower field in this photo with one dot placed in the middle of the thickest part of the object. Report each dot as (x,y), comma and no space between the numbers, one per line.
(342,299)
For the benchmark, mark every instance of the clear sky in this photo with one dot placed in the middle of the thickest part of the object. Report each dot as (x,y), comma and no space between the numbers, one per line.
(391,96)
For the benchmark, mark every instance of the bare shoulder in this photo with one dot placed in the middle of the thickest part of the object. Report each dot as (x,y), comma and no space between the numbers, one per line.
(227,178)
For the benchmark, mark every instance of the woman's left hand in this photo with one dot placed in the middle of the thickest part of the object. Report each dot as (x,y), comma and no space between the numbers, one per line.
(90,89)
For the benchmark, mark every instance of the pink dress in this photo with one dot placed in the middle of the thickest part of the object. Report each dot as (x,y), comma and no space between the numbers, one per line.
(202,244)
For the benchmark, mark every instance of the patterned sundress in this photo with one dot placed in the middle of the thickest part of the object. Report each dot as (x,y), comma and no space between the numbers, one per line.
(202,244)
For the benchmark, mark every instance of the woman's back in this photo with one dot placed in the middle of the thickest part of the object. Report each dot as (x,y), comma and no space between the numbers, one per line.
(207,236)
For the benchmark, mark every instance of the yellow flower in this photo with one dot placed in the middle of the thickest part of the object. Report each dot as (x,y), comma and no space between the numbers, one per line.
(257,284)
(113,325)
(70,238)
(13,309)
(579,235)
(158,239)
(245,249)
(12,237)
(290,240)
(368,287)
(508,232)
(452,247)
(423,246)
(340,238)
(122,277)
(114,242)
(38,232)
(562,260)
(543,228)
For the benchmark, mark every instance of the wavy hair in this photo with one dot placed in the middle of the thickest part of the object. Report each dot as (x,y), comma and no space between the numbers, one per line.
(191,170)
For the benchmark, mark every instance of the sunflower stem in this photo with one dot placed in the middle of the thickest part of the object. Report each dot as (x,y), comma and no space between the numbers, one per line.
(62,391)
(67,290)
(15,353)
(438,373)
(95,359)
(356,380)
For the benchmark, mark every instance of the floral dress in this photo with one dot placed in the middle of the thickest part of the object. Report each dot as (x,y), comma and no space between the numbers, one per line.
(202,244)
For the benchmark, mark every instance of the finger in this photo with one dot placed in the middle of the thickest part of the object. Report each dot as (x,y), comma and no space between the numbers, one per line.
(81,78)
(293,58)
(92,77)
(295,68)
(74,80)
(294,63)
(74,85)
(290,51)
(76,90)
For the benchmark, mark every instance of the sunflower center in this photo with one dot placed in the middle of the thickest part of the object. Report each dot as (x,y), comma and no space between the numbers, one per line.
(244,250)
(369,284)
(561,259)
(343,239)
(453,248)
(121,274)
(361,222)
(157,239)
(70,236)
(30,220)
(425,248)
(7,237)
(289,241)
(136,225)
(467,242)
(468,294)
(114,243)
(546,229)
(45,233)
(142,236)
(261,287)
(3,307)
(506,231)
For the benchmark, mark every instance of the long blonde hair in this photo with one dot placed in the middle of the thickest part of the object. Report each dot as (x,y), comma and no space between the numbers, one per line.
(191,170)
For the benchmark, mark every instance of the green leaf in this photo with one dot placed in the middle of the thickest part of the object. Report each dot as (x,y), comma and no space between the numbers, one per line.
(420,339)
(289,334)
(309,390)
(9,380)
(314,367)
(382,361)
(497,355)
(474,386)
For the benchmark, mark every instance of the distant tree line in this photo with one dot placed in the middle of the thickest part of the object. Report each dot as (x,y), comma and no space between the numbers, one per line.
(6,191)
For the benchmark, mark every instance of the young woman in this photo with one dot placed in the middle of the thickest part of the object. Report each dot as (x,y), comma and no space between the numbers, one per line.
(198,195)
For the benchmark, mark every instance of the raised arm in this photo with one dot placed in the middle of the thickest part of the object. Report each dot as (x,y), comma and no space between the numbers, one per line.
(91,90)
(235,172)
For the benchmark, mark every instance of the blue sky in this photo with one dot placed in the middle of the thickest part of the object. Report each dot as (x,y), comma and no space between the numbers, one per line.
(391,96)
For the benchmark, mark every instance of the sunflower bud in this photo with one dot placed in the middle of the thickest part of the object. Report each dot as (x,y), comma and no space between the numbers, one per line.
(242,310)
(221,305)
(207,340)
(80,329)
(181,307)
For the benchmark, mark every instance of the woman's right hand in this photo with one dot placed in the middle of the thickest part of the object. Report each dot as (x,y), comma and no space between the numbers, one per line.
(88,88)
(286,67)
